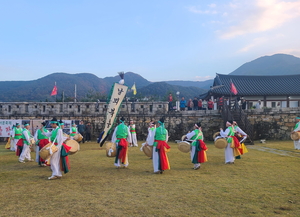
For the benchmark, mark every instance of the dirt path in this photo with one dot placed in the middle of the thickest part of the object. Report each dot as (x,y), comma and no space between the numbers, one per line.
(275,151)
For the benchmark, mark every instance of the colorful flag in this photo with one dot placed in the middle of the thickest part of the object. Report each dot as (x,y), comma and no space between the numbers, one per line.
(54,91)
(133,88)
(233,88)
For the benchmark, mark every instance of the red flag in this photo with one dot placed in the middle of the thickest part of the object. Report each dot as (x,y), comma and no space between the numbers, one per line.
(233,89)
(54,91)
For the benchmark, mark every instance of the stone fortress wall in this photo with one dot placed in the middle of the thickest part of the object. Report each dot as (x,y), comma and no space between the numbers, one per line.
(270,124)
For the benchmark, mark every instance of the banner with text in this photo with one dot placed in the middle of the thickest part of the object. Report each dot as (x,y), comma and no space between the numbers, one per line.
(6,126)
(118,93)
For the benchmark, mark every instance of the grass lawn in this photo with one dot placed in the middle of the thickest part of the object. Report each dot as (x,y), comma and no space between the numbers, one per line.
(259,184)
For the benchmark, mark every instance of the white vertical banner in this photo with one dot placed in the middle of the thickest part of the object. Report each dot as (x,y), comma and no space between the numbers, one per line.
(118,93)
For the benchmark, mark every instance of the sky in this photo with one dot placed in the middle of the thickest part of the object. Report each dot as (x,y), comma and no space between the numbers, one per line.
(159,39)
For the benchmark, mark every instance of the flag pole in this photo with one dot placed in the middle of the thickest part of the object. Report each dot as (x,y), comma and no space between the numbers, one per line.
(56,93)
(230,93)
(75,94)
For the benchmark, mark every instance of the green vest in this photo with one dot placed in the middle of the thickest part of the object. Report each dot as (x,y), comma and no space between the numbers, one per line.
(73,131)
(296,126)
(132,129)
(122,131)
(160,134)
(24,138)
(40,135)
(18,133)
(198,135)
(53,135)
(231,133)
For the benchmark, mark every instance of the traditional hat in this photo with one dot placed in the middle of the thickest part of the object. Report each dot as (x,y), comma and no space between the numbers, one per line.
(43,123)
(61,122)
(17,124)
(161,121)
(198,125)
(229,122)
(54,121)
(152,123)
(26,124)
(122,119)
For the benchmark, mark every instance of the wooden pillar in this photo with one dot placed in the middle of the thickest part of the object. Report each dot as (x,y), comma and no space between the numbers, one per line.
(265,101)
(287,102)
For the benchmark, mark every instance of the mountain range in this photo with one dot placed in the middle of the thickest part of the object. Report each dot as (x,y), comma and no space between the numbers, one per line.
(90,87)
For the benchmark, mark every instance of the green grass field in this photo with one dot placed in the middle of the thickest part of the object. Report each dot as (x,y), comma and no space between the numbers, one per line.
(259,184)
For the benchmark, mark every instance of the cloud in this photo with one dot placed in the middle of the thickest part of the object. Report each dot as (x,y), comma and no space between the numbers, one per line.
(203,78)
(255,42)
(261,41)
(263,16)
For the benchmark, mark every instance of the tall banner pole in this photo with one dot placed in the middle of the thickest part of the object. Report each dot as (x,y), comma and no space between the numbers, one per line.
(117,95)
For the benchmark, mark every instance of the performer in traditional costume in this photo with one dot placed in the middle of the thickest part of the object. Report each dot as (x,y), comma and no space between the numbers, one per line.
(133,134)
(159,156)
(297,129)
(12,135)
(26,144)
(198,147)
(241,136)
(121,133)
(233,145)
(41,141)
(56,137)
(17,135)
(73,130)
(150,136)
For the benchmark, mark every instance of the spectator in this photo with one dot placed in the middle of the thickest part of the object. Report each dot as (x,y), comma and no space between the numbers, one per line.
(221,103)
(216,104)
(88,130)
(200,104)
(226,101)
(244,104)
(81,130)
(210,104)
(258,105)
(204,104)
(190,104)
(278,105)
(170,100)
(182,104)
(195,102)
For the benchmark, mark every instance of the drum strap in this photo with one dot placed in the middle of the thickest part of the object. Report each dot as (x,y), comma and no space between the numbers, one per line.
(199,134)
(50,149)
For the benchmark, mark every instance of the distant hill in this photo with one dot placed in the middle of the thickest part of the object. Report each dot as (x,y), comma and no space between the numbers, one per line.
(40,89)
(200,84)
(278,64)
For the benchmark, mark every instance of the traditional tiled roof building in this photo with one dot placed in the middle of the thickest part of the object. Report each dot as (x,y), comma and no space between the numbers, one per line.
(283,90)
